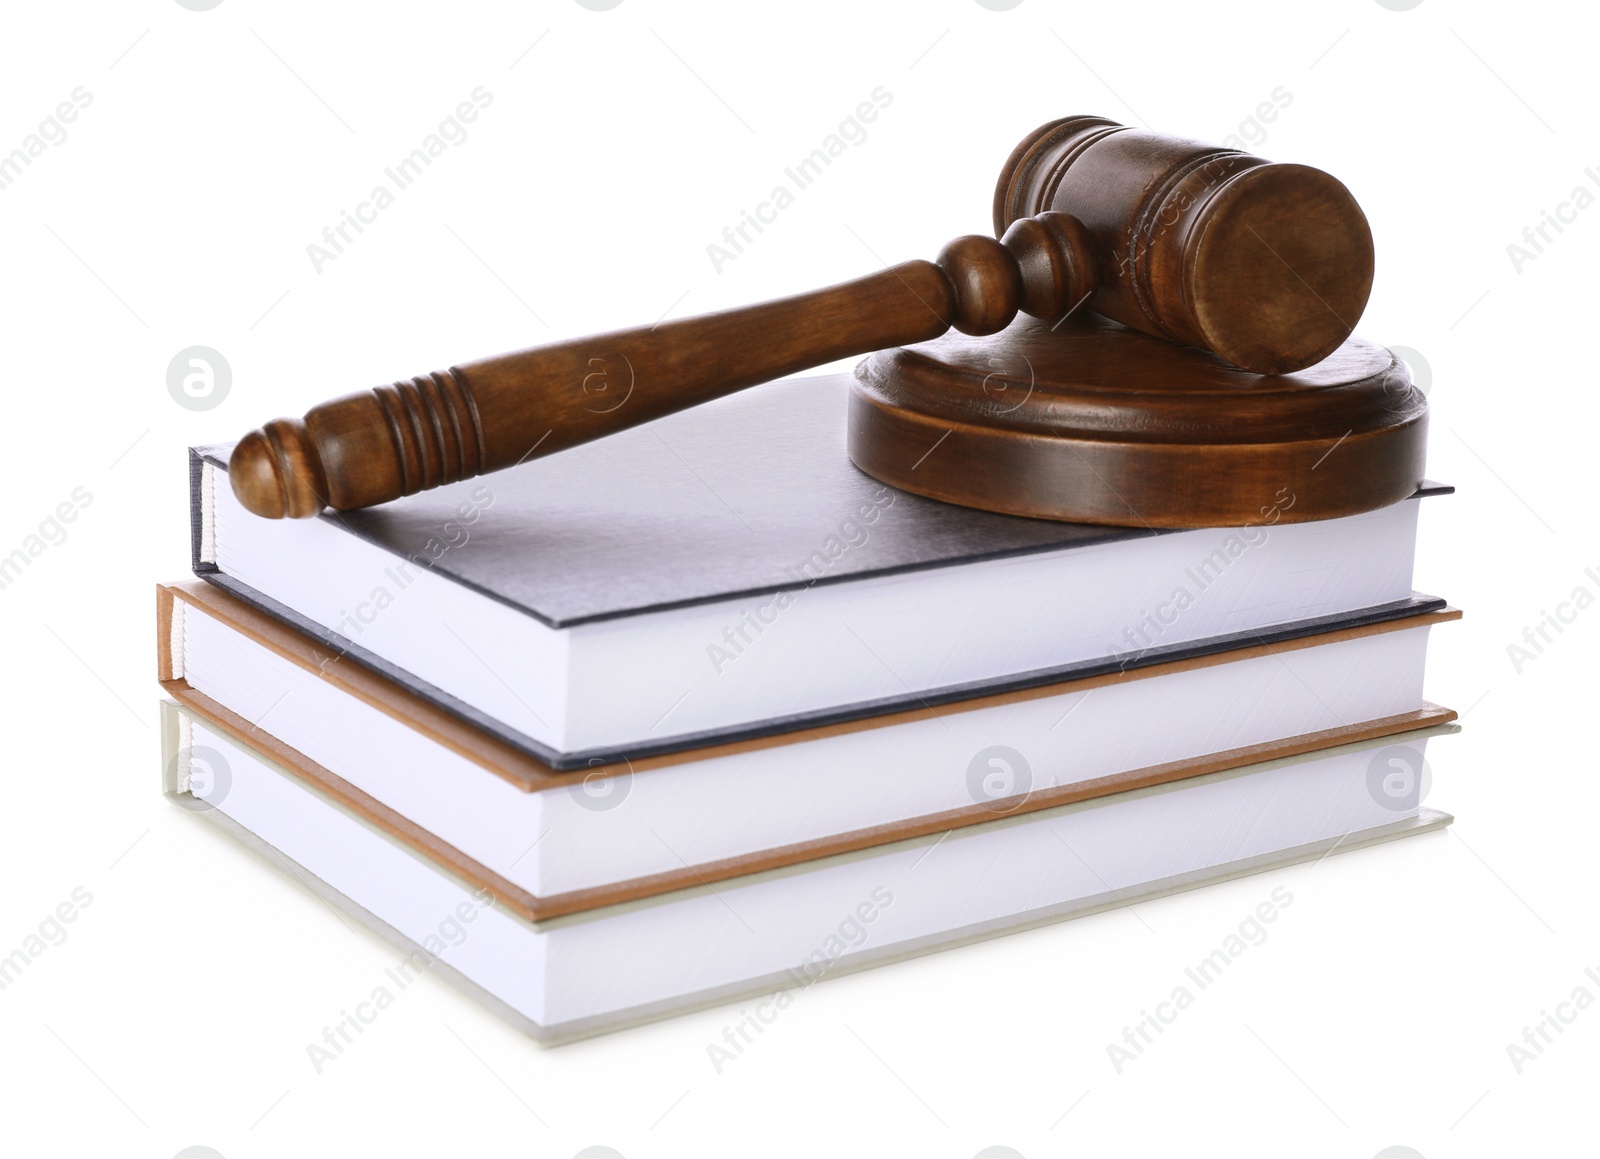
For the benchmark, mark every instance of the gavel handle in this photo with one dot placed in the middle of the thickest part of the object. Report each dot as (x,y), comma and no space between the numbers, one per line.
(390,441)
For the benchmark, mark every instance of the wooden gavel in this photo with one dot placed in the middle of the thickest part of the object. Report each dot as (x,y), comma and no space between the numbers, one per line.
(1266,265)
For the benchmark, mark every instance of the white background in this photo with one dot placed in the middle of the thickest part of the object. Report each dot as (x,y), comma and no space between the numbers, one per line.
(177,212)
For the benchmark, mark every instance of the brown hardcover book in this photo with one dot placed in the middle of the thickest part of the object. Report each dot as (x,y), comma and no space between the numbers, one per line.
(547,843)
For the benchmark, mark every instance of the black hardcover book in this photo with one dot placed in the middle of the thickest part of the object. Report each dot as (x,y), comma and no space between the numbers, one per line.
(728,572)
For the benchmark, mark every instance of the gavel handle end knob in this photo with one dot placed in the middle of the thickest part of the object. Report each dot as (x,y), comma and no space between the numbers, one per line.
(276,473)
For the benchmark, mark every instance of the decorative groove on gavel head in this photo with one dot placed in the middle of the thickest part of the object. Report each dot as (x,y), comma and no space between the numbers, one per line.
(1266,265)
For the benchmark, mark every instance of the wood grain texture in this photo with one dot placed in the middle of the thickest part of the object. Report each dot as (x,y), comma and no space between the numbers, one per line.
(1092,422)
(1268,265)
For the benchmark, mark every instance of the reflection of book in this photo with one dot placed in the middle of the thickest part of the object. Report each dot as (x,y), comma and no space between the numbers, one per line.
(774,933)
(551,843)
(726,573)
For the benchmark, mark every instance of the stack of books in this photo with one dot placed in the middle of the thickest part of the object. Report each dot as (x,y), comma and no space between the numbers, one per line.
(700,711)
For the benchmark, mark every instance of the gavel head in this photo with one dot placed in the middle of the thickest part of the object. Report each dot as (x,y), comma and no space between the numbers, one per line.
(1266,265)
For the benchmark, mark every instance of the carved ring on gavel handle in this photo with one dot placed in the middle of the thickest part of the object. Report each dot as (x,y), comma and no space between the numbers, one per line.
(1266,265)
(390,441)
